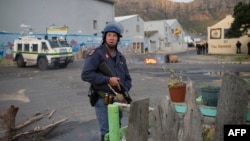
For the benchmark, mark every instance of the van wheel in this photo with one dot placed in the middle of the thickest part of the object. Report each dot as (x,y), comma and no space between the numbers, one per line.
(20,62)
(42,64)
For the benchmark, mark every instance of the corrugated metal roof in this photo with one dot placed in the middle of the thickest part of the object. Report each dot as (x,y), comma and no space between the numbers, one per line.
(170,21)
(122,18)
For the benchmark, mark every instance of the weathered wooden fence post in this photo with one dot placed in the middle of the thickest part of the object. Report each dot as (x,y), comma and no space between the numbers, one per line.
(164,122)
(7,122)
(232,104)
(138,121)
(192,124)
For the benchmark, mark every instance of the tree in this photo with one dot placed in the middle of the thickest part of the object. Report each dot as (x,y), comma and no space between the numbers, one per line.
(241,22)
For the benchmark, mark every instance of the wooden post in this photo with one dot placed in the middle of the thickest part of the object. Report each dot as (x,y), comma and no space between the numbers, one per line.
(138,121)
(7,122)
(164,122)
(232,104)
(192,125)
(114,124)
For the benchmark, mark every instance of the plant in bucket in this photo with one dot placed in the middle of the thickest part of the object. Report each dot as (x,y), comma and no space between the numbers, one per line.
(176,87)
(210,94)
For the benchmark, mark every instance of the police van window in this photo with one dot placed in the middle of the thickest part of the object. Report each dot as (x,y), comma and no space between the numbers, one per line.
(35,47)
(53,43)
(44,46)
(64,43)
(26,47)
(19,47)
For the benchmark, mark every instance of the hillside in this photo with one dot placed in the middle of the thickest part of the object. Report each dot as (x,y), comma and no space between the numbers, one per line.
(194,16)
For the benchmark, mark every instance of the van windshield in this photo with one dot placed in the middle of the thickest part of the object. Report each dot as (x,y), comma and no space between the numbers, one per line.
(54,43)
(63,43)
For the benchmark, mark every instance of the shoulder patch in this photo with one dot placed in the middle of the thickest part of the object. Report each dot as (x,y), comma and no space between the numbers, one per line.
(91,51)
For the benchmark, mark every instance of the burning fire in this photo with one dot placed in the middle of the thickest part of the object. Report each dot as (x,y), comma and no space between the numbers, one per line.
(150,61)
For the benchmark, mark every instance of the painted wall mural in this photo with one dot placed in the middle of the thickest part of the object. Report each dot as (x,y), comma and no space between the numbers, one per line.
(79,43)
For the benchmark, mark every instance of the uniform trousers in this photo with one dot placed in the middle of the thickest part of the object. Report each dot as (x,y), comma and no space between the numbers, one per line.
(101,110)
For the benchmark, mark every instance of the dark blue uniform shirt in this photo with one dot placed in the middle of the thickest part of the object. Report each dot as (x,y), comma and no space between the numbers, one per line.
(117,65)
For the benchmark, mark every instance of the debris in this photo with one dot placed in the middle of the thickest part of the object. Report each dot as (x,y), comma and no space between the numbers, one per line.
(29,121)
(52,112)
(38,129)
(8,130)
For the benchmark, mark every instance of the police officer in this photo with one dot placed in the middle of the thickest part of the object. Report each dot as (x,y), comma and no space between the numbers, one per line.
(116,62)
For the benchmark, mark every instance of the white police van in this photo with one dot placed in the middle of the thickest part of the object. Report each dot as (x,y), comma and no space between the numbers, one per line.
(42,52)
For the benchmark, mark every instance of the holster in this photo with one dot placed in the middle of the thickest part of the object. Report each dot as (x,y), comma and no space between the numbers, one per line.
(93,96)
(108,98)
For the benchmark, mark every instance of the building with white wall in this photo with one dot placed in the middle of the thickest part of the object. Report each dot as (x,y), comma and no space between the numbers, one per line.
(165,35)
(84,19)
(218,43)
(81,16)
(133,28)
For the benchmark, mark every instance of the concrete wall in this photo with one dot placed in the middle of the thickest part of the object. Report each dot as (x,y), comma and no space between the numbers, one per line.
(164,39)
(130,24)
(153,41)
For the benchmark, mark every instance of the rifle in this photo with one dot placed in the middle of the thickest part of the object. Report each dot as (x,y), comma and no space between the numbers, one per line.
(104,69)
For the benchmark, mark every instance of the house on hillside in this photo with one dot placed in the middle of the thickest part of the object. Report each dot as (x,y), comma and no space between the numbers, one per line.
(133,29)
(164,35)
(218,43)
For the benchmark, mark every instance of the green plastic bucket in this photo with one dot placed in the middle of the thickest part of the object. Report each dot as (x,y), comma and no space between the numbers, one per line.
(210,95)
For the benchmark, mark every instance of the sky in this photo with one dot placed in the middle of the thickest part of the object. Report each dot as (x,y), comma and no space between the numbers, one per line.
(186,1)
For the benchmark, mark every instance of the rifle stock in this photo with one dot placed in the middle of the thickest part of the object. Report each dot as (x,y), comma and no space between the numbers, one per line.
(104,69)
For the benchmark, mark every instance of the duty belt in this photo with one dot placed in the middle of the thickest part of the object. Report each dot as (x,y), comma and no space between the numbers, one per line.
(108,98)
(101,93)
